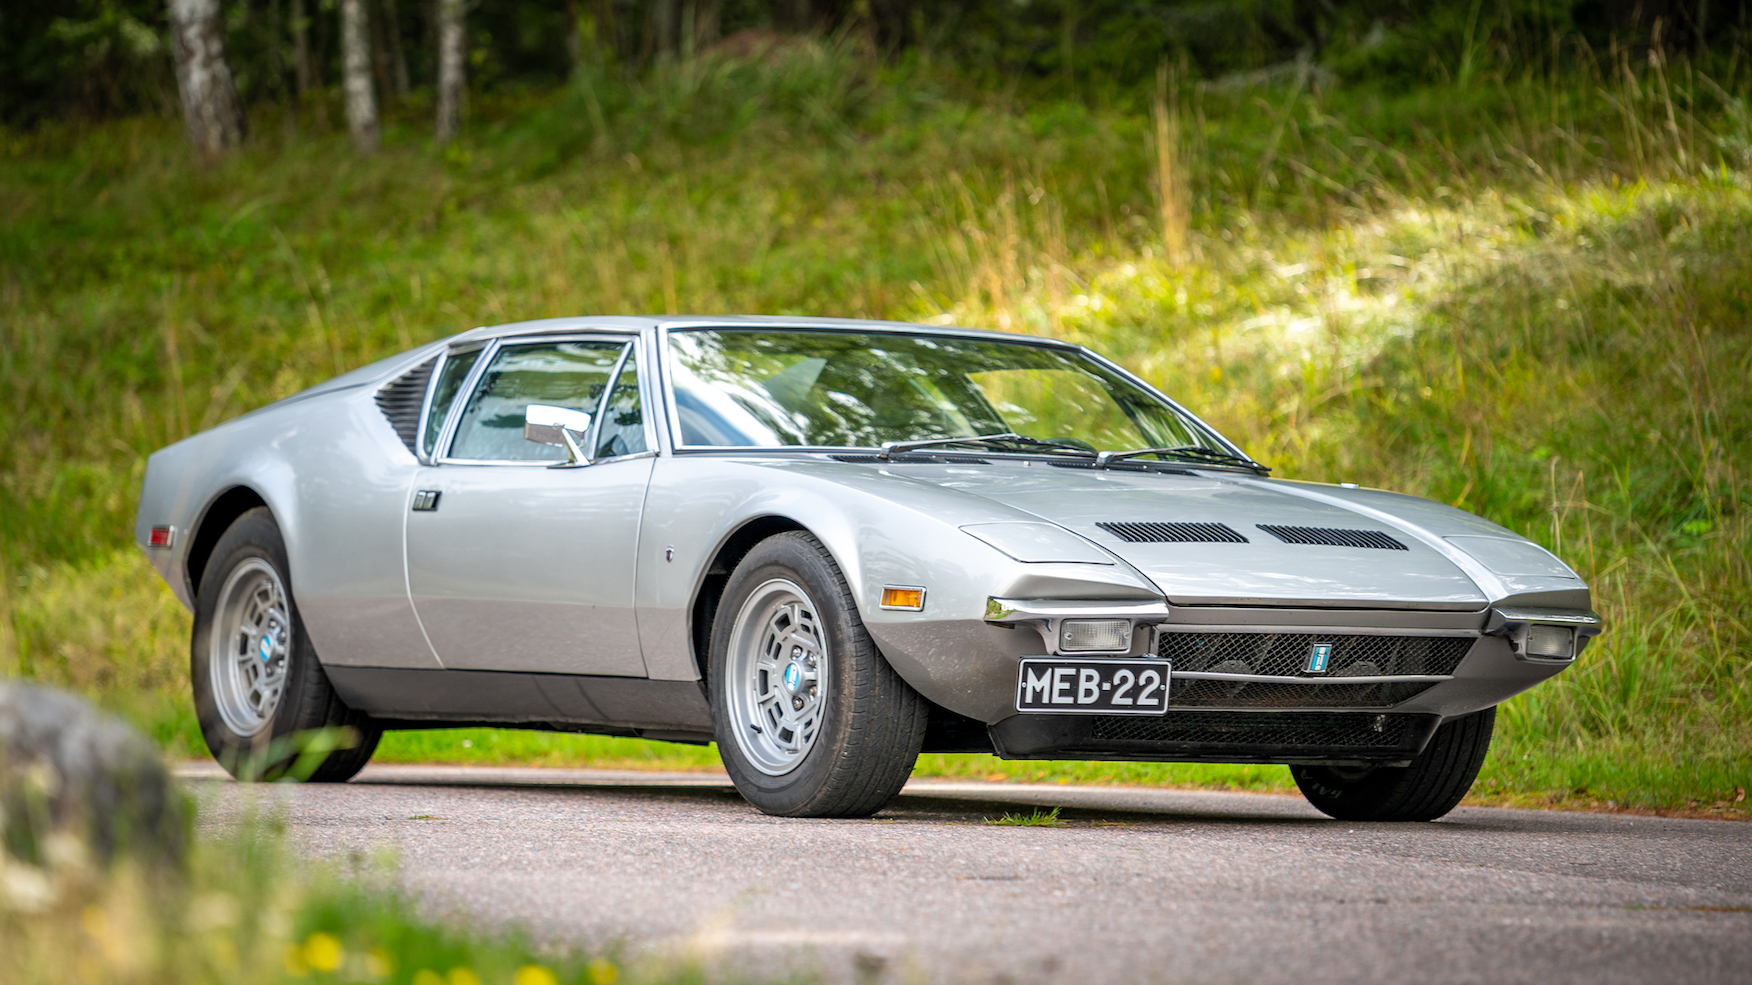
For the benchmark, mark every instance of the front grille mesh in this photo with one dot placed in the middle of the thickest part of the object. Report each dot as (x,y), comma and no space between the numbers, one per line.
(1258,694)
(1286,654)
(1331,537)
(1313,730)
(1151,532)
(401,399)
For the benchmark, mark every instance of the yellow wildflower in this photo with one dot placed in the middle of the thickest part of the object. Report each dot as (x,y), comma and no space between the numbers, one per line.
(534,974)
(323,951)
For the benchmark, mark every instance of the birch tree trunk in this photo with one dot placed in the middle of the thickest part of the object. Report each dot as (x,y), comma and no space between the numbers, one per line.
(356,76)
(211,112)
(450,68)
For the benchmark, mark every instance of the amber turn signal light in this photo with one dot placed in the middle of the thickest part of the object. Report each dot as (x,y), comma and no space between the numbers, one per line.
(898,597)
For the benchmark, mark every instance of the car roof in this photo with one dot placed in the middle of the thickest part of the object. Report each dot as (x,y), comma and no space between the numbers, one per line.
(635,323)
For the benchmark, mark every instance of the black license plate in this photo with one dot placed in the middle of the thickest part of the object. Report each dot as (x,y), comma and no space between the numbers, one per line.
(1068,686)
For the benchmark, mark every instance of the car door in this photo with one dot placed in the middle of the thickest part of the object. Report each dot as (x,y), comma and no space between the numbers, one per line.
(516,564)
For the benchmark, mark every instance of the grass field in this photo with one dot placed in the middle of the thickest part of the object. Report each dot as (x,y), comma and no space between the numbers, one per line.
(1528,296)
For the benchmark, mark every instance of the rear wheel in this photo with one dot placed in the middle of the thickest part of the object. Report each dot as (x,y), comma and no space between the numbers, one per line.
(1427,789)
(265,707)
(811,721)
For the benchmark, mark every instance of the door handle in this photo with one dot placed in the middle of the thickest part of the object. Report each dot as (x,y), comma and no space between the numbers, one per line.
(426,500)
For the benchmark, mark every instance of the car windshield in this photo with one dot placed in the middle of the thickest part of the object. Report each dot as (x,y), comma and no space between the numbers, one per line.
(754,388)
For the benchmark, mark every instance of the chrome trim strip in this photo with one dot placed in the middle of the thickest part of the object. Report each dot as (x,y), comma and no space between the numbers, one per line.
(1033,610)
(1196,675)
(1501,616)
(1263,629)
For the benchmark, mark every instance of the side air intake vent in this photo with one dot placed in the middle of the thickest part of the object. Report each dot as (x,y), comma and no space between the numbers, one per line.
(400,400)
(1147,532)
(1333,538)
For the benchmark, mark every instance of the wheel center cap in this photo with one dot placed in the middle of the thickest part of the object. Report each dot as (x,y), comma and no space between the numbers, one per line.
(266,648)
(793,676)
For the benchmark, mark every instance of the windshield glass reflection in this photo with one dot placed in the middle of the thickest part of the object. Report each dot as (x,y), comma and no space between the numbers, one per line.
(761,388)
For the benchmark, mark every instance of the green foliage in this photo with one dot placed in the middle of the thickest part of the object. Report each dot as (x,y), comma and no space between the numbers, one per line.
(246,909)
(1037,819)
(1524,296)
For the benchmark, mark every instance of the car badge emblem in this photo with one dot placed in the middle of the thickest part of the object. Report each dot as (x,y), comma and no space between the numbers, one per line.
(792,676)
(1318,656)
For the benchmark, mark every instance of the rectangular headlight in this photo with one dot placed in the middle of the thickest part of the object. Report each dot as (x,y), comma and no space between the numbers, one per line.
(1551,642)
(1094,634)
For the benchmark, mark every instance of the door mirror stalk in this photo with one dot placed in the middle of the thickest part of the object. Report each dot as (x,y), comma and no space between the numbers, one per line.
(549,425)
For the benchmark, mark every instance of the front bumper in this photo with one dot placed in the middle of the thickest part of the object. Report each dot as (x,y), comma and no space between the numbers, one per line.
(1299,737)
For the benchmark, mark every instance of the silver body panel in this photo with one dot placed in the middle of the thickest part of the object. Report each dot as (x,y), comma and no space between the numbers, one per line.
(596,570)
(529,568)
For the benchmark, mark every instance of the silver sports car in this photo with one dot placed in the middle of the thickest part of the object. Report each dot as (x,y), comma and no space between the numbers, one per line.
(829,545)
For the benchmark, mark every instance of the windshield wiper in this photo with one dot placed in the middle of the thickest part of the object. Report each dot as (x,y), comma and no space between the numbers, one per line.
(1194,453)
(889,448)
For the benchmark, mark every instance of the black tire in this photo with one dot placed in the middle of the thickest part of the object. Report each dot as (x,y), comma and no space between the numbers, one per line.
(270,747)
(871,723)
(1427,789)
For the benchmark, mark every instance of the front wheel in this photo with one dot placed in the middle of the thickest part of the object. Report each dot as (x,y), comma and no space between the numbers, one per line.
(264,704)
(1430,787)
(811,721)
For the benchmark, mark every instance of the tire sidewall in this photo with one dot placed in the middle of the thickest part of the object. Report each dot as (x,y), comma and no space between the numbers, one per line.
(1429,788)
(254,535)
(794,557)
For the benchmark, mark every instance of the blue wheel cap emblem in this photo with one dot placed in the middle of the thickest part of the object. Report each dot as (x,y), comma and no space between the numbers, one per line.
(267,647)
(792,676)
(1318,656)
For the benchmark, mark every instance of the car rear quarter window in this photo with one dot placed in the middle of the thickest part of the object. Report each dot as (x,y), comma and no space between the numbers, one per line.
(450,378)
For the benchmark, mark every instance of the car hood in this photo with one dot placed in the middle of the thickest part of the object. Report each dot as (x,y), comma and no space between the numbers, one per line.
(1264,570)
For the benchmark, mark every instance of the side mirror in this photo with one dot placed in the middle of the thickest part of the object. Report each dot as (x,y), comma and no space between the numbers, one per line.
(548,425)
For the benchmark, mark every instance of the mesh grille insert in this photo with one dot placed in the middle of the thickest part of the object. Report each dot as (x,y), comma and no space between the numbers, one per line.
(1331,537)
(1151,532)
(1286,654)
(1315,731)
(400,401)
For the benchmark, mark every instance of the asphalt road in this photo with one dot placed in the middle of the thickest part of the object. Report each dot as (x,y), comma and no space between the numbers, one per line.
(1143,886)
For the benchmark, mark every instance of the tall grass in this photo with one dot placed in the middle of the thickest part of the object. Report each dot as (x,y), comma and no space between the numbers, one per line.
(1525,295)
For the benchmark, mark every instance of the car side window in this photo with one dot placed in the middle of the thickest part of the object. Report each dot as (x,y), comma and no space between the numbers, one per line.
(560,374)
(450,377)
(622,431)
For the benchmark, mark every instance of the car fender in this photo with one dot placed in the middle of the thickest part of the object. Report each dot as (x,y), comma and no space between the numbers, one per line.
(881,529)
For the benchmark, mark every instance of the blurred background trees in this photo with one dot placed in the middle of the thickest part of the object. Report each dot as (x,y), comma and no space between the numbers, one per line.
(102,58)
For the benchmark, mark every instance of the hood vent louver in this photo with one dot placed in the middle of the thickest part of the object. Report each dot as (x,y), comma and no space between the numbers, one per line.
(1329,537)
(400,400)
(1150,532)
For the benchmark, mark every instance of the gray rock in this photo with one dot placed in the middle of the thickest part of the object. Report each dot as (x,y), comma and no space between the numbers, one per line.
(68,769)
